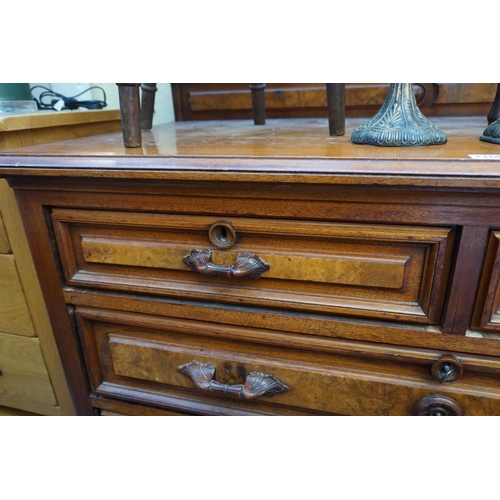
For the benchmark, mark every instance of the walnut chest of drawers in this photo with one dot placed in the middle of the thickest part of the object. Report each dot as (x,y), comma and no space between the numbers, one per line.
(227,269)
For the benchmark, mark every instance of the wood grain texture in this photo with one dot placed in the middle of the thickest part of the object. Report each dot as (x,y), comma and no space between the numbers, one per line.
(24,375)
(24,130)
(14,313)
(13,412)
(291,151)
(121,408)
(375,271)
(214,101)
(130,111)
(130,356)
(469,260)
(4,240)
(317,332)
(108,229)
(487,314)
(34,297)
(53,119)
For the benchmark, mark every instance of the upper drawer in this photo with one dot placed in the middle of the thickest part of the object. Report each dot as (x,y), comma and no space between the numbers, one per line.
(377,271)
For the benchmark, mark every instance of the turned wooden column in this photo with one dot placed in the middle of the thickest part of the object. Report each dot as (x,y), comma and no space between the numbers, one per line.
(258,103)
(335,100)
(130,109)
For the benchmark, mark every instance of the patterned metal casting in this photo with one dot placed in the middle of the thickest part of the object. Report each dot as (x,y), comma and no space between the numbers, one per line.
(399,122)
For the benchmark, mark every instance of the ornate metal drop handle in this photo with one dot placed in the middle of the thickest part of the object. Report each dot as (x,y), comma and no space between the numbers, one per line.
(256,384)
(246,265)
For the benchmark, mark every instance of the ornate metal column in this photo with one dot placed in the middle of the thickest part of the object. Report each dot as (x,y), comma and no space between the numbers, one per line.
(399,122)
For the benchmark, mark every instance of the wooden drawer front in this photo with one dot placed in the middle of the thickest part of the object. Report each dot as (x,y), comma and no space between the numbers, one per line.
(487,312)
(130,360)
(24,375)
(14,314)
(4,241)
(392,272)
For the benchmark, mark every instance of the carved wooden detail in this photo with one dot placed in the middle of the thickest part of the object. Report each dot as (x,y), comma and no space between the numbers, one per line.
(256,384)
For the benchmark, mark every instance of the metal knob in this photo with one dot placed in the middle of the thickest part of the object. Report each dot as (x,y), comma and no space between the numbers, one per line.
(447,368)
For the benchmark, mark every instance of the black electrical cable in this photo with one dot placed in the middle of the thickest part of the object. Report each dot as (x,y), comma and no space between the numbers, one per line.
(69,102)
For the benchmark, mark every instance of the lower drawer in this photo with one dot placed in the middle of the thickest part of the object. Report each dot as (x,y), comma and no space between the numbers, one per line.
(24,377)
(185,365)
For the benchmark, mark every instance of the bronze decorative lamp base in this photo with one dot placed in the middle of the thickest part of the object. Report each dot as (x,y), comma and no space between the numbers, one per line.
(399,122)
(492,132)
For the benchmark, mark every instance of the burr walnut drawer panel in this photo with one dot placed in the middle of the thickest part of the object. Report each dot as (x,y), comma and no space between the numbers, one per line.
(392,272)
(183,364)
(24,376)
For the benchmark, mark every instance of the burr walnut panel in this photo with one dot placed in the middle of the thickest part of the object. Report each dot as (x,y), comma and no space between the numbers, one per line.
(377,271)
(131,361)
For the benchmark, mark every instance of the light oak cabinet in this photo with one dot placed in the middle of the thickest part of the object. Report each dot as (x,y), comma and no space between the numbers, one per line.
(25,383)
(32,379)
(225,269)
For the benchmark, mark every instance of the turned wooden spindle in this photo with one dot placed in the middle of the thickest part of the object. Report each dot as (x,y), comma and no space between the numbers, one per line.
(130,109)
(147,105)
(335,100)
(258,103)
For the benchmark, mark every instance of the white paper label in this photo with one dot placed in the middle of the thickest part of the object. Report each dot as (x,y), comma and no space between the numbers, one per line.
(58,105)
(485,157)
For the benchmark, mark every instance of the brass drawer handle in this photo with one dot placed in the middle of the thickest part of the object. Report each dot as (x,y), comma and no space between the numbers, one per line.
(246,265)
(447,368)
(256,384)
(437,406)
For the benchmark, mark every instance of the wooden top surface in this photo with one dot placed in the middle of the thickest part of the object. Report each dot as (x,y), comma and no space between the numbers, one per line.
(298,148)
(42,119)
